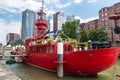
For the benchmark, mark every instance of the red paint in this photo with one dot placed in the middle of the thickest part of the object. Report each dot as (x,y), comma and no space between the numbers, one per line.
(116,16)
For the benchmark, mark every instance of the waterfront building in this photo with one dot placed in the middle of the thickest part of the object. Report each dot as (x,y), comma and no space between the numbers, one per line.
(28,24)
(11,37)
(108,24)
(58,20)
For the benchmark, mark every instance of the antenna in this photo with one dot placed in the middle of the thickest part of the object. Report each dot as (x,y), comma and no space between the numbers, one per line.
(42,4)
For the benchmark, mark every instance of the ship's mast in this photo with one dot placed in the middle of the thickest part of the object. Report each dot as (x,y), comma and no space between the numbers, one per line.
(42,4)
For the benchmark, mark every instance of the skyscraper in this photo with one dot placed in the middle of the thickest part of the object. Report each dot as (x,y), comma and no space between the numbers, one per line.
(58,20)
(28,23)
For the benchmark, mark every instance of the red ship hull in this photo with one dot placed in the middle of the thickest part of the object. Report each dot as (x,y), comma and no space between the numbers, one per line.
(79,62)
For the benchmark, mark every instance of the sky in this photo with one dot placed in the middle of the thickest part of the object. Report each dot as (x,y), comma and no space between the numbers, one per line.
(11,11)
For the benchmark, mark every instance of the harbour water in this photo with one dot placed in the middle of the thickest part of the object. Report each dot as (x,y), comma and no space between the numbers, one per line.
(27,72)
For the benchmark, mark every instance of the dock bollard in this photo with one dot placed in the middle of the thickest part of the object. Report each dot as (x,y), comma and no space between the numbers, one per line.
(60,59)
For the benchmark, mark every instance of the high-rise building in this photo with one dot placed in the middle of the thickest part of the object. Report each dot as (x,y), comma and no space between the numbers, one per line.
(70,18)
(58,20)
(11,37)
(28,24)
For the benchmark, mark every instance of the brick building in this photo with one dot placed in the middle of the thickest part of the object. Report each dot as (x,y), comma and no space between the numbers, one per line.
(90,25)
(106,23)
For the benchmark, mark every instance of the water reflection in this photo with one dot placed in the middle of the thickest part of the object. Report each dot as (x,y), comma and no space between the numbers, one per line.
(27,72)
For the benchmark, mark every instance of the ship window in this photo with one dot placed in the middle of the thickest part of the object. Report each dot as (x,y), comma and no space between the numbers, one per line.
(40,50)
(47,49)
(52,49)
(64,49)
(44,49)
(41,16)
(69,48)
(32,49)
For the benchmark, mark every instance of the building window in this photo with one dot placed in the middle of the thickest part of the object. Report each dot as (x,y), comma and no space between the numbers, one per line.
(105,14)
(106,23)
(102,15)
(103,23)
(102,19)
(106,18)
(106,28)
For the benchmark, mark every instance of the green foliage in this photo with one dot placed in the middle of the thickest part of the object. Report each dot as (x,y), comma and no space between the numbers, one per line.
(74,42)
(39,41)
(13,44)
(97,35)
(93,35)
(86,44)
(22,43)
(83,36)
(69,29)
(102,35)
(49,40)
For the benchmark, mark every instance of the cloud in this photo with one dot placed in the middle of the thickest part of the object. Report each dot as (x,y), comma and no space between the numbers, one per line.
(78,1)
(15,6)
(86,20)
(63,5)
(8,27)
(92,1)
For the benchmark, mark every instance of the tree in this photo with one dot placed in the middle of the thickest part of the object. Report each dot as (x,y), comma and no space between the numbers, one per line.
(83,36)
(102,34)
(97,35)
(70,29)
(93,35)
